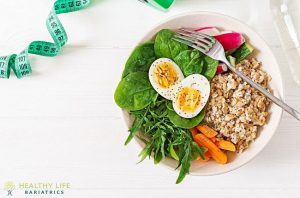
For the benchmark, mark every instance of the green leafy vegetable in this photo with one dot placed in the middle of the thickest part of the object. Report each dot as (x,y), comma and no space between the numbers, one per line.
(164,132)
(164,138)
(190,62)
(140,59)
(198,151)
(165,46)
(185,162)
(191,152)
(232,60)
(173,153)
(185,123)
(169,105)
(135,92)
(210,67)
(137,124)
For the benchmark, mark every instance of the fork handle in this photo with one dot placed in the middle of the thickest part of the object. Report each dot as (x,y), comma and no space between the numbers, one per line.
(273,98)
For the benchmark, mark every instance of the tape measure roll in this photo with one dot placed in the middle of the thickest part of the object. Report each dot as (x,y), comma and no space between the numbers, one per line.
(19,63)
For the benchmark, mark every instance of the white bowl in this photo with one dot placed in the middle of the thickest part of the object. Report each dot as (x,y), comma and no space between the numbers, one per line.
(263,54)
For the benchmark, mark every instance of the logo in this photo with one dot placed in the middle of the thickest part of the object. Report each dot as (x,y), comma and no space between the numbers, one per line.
(9,187)
(36,188)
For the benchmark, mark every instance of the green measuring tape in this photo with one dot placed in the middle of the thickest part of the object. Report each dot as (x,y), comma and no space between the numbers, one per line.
(19,63)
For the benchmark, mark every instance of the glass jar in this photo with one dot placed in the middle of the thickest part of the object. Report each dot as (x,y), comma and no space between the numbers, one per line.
(286,16)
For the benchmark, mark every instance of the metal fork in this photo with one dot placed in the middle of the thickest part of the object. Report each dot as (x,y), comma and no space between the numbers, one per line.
(211,47)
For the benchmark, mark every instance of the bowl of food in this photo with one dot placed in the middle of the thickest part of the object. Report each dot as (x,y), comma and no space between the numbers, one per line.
(186,110)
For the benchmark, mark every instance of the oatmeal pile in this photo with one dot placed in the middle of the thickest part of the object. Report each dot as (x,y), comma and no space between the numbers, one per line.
(236,110)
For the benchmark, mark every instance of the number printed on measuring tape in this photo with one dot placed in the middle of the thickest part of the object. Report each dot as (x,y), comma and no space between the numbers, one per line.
(20,63)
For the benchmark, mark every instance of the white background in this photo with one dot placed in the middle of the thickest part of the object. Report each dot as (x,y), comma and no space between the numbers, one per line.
(61,124)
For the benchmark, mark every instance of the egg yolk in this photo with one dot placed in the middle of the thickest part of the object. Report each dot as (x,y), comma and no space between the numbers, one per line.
(188,99)
(165,75)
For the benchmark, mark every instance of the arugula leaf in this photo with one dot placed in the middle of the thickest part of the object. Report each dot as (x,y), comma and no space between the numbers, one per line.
(145,152)
(157,157)
(199,150)
(173,153)
(163,137)
(185,163)
(137,124)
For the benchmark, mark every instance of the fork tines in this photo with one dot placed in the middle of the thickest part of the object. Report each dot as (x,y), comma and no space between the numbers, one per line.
(197,40)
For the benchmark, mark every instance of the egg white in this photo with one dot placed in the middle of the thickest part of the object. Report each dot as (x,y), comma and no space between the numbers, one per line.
(198,82)
(168,93)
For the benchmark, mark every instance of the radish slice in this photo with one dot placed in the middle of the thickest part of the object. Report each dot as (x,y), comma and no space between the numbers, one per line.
(221,68)
(226,32)
(211,31)
(230,40)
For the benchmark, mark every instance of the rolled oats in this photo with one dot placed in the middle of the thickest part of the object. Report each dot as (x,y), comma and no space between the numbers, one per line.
(235,109)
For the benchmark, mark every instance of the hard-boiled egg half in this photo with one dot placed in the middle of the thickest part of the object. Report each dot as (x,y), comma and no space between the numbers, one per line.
(164,75)
(189,95)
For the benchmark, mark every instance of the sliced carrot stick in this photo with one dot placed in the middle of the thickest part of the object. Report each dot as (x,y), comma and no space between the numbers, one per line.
(194,131)
(218,155)
(207,131)
(226,145)
(214,139)
(207,157)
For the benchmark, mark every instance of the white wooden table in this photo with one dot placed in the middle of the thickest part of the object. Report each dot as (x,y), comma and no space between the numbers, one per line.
(61,124)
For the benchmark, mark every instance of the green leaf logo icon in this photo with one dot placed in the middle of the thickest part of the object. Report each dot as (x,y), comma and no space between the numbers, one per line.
(9,186)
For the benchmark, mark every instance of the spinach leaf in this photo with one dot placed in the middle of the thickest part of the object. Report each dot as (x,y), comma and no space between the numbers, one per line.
(165,46)
(190,62)
(134,92)
(185,123)
(210,67)
(140,59)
